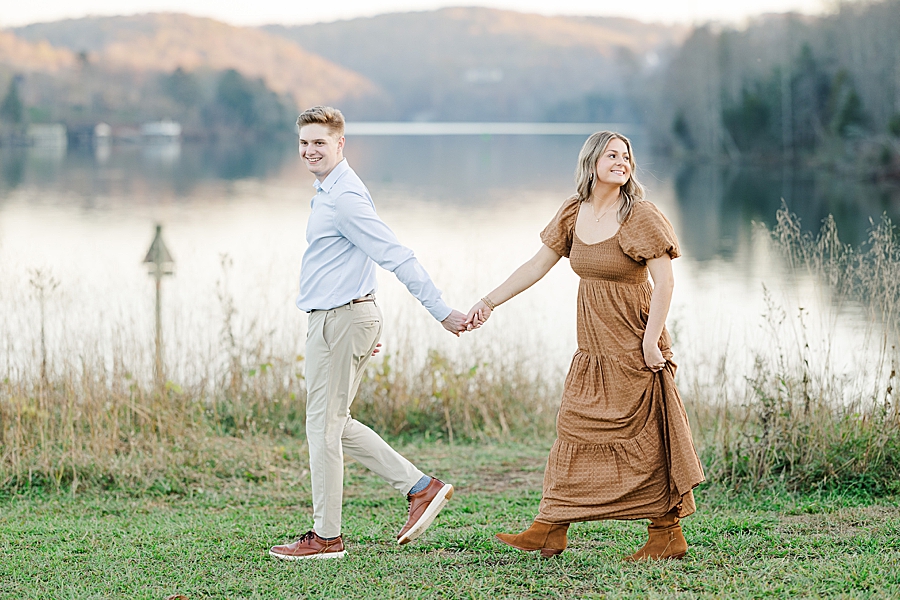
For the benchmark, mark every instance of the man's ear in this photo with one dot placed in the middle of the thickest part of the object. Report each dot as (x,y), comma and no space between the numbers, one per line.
(341,144)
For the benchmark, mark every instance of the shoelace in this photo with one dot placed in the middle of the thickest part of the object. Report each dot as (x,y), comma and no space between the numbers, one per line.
(309,535)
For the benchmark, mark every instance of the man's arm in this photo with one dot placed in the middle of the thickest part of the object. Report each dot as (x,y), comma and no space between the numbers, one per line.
(356,219)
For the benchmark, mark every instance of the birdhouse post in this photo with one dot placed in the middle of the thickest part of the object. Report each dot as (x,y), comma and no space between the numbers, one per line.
(160,263)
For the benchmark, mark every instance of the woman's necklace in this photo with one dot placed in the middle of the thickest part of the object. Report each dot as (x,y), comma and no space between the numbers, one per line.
(606,210)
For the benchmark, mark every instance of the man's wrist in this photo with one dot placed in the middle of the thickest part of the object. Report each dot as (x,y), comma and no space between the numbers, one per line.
(440,311)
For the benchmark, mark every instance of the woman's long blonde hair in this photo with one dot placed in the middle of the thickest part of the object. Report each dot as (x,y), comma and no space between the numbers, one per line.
(585,174)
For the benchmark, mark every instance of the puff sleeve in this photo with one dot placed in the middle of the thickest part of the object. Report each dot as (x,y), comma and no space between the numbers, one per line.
(558,234)
(647,234)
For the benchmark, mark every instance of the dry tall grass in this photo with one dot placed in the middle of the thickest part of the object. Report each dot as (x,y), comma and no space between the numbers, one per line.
(797,420)
(96,421)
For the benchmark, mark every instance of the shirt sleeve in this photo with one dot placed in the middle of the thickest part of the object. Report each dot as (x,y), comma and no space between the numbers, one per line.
(356,219)
(558,234)
(647,234)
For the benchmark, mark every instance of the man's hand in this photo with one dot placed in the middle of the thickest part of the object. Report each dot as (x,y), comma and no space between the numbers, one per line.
(455,323)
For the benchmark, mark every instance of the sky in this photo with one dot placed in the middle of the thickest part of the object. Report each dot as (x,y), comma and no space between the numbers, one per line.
(290,12)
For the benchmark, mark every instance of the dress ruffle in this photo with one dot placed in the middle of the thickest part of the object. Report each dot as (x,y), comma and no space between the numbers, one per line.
(629,465)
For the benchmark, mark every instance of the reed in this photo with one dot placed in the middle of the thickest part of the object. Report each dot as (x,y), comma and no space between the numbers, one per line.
(798,419)
(787,415)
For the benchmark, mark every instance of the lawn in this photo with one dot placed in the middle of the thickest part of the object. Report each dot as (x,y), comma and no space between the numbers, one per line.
(212,541)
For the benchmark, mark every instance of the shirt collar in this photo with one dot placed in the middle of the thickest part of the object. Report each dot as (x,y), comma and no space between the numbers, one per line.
(336,173)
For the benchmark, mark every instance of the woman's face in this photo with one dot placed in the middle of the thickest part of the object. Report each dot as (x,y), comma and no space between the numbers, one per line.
(614,165)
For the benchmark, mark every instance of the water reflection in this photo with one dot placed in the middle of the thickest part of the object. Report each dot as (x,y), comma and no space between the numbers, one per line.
(166,152)
(12,168)
(125,171)
(471,207)
(719,203)
(467,170)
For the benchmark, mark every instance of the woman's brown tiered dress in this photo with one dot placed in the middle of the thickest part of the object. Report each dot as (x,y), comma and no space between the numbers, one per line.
(624,448)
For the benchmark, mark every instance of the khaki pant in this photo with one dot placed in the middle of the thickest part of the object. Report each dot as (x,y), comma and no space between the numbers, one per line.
(339,344)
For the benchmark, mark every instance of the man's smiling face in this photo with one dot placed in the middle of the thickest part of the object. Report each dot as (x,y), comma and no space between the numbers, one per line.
(321,149)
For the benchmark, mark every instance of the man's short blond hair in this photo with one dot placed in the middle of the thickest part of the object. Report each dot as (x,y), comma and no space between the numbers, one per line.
(323,115)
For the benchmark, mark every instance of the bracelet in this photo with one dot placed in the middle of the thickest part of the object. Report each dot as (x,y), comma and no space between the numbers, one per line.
(488,303)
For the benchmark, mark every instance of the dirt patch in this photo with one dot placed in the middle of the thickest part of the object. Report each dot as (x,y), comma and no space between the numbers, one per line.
(500,479)
(845,522)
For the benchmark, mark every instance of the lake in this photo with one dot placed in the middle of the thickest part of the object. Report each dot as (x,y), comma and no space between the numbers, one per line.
(471,205)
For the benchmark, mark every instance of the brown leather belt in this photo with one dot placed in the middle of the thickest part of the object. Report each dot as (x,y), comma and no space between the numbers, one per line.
(366,298)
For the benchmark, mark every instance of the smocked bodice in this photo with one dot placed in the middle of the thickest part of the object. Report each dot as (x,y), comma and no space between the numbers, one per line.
(605,261)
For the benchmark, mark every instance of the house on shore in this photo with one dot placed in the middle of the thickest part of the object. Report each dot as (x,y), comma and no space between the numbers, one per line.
(161,131)
(47,135)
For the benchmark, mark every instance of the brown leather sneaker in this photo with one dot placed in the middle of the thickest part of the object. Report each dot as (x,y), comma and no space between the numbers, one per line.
(424,506)
(310,545)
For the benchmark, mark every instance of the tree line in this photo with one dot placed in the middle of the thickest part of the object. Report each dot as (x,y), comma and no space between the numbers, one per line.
(209,104)
(787,86)
(226,102)
(784,86)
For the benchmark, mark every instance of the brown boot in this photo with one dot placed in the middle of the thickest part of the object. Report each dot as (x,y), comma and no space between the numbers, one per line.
(665,540)
(549,539)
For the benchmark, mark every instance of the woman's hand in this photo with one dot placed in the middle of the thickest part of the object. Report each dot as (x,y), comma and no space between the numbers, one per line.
(653,358)
(529,273)
(478,315)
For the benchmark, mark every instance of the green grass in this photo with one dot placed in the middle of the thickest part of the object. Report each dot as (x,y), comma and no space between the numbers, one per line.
(212,542)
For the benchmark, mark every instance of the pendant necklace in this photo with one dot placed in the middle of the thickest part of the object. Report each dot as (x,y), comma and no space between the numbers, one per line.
(606,210)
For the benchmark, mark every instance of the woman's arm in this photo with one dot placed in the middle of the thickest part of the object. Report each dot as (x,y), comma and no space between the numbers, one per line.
(521,279)
(663,284)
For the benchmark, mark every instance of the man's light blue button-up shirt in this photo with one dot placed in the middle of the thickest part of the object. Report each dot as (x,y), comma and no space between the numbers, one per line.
(346,239)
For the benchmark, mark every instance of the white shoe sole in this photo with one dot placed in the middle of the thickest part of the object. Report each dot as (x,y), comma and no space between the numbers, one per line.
(323,555)
(427,518)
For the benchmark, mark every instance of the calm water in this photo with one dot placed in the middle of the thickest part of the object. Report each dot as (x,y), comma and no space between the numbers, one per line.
(471,206)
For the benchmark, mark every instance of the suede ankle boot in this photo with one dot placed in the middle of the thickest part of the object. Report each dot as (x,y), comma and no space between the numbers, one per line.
(665,539)
(549,539)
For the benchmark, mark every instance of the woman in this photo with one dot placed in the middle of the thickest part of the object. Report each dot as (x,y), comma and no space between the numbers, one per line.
(624,448)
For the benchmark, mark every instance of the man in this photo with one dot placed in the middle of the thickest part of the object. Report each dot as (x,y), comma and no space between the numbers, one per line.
(337,285)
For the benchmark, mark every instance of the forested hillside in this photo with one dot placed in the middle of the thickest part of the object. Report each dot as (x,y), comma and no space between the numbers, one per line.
(784,85)
(484,64)
(165,42)
(25,56)
(453,64)
(213,77)
(789,86)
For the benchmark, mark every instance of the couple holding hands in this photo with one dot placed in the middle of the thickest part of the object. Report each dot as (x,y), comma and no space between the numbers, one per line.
(623,447)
